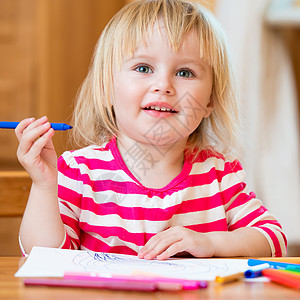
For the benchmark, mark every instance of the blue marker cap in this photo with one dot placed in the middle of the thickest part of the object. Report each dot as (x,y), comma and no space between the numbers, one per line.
(256,271)
(60,126)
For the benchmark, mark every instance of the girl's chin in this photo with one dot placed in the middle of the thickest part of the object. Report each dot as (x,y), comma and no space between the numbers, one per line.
(164,145)
(155,139)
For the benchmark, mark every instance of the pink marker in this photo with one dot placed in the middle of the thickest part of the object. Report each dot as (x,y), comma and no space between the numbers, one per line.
(160,283)
(113,285)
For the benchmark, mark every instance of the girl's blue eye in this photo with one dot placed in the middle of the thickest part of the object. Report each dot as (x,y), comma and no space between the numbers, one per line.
(185,73)
(143,69)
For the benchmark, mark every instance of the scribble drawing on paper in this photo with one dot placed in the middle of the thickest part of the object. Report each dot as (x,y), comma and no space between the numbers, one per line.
(109,262)
(93,261)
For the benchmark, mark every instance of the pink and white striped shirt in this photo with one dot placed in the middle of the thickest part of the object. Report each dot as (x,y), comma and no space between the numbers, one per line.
(105,208)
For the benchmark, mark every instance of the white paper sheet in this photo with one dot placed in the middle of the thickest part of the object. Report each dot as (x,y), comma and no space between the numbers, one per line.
(52,262)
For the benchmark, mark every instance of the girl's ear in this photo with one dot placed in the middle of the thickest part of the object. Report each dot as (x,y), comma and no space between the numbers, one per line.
(209,108)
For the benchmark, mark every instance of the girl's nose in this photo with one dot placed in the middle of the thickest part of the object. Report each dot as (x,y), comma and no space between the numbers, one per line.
(163,92)
(163,86)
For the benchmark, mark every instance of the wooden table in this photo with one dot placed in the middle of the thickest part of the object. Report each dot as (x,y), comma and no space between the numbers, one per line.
(13,288)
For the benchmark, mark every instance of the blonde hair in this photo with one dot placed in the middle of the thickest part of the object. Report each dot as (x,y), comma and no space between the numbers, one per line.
(94,120)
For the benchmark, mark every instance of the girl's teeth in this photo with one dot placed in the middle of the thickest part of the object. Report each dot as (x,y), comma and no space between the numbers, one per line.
(159,108)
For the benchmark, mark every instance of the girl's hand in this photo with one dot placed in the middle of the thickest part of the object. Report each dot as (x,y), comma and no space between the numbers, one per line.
(36,152)
(176,240)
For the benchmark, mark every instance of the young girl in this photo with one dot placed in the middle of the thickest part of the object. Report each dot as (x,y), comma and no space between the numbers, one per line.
(154,114)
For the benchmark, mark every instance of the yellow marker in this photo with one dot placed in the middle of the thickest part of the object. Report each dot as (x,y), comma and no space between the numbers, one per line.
(229,278)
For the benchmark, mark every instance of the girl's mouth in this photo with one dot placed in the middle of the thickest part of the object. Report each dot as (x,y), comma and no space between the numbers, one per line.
(160,109)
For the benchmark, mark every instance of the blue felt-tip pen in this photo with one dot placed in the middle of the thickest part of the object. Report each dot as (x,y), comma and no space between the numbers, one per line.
(273,264)
(55,126)
(256,271)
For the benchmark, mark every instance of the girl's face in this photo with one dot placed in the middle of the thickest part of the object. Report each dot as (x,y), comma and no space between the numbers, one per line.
(161,96)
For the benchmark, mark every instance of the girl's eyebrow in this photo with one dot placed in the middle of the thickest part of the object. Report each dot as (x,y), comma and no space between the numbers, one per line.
(202,63)
(134,58)
(141,56)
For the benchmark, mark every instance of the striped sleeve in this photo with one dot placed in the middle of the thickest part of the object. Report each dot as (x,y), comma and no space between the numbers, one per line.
(69,196)
(243,209)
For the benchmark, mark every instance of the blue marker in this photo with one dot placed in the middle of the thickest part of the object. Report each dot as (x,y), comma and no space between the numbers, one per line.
(273,264)
(256,271)
(55,126)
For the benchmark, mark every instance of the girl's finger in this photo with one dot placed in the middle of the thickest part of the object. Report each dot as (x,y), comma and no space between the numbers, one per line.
(28,138)
(32,157)
(150,245)
(172,250)
(36,124)
(162,248)
(161,241)
(41,142)
(22,126)
(161,244)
